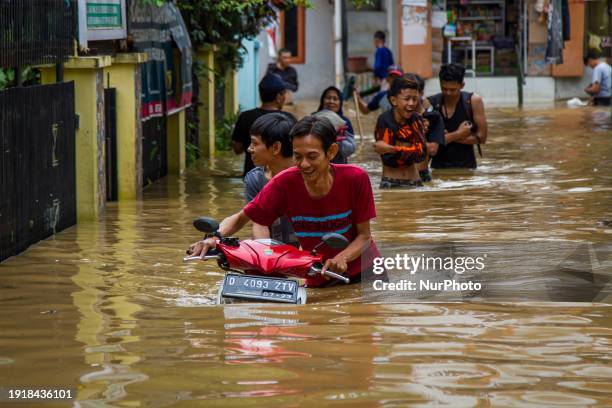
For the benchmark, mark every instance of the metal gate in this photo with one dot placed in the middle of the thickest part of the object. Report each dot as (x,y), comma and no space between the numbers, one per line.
(110,130)
(154,149)
(37,164)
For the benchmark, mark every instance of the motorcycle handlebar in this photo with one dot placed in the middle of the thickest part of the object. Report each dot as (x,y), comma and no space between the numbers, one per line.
(199,258)
(333,275)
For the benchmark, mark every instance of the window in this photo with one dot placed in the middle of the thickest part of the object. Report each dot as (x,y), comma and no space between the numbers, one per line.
(292,26)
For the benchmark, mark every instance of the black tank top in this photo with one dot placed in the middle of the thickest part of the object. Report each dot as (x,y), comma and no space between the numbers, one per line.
(454,154)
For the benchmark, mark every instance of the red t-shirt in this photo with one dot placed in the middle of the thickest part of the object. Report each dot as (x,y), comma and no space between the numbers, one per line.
(349,202)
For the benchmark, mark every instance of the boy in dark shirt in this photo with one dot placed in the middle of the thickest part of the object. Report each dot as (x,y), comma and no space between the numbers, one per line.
(272,90)
(400,137)
(272,151)
(464,119)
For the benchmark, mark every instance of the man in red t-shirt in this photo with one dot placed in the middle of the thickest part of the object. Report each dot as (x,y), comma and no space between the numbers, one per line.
(318,197)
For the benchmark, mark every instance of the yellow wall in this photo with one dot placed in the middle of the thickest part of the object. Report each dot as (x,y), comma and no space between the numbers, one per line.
(125,77)
(206,109)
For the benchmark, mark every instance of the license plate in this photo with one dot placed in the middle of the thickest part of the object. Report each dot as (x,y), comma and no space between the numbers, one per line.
(260,288)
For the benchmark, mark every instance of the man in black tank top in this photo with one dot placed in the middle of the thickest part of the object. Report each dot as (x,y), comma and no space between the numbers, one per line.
(464,120)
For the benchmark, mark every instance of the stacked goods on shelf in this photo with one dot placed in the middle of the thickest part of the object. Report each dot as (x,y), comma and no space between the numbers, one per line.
(505,62)
(481,19)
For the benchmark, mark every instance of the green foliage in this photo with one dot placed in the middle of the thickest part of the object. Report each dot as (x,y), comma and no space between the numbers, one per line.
(192,154)
(223,132)
(225,23)
(6,78)
(29,76)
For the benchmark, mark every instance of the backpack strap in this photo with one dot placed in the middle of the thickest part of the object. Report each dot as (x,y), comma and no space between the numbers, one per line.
(467,103)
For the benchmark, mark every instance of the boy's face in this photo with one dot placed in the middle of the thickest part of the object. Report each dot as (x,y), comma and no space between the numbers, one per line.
(260,153)
(405,102)
(451,89)
(378,42)
(310,158)
(284,59)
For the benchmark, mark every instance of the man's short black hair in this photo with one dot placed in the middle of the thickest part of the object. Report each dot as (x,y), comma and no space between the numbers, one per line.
(319,127)
(275,127)
(270,86)
(592,53)
(284,51)
(452,73)
(418,79)
(402,83)
(379,35)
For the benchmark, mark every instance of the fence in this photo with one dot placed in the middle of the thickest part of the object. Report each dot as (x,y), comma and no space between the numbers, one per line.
(35,31)
(37,164)
(154,149)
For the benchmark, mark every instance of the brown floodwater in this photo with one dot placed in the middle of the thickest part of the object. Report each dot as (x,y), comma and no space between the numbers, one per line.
(110,311)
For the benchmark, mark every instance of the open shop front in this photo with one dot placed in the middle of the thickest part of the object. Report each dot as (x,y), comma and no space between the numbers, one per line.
(493,37)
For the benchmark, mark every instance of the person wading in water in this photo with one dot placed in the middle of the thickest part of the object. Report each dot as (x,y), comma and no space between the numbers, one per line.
(464,120)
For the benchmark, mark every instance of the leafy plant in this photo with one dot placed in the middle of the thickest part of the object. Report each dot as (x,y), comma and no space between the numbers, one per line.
(29,76)
(193,152)
(223,132)
(225,23)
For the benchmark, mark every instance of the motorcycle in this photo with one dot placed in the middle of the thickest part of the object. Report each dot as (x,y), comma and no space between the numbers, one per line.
(265,270)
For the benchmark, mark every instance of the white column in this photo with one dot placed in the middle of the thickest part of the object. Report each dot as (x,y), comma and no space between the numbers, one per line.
(338,42)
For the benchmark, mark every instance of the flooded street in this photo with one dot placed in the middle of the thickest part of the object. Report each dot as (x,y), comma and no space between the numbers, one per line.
(110,311)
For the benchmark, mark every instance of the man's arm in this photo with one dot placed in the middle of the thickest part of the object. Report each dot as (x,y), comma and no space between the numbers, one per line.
(593,89)
(432,149)
(480,120)
(292,80)
(362,105)
(339,262)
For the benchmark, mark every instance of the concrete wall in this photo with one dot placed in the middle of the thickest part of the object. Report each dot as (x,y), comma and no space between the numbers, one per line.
(503,91)
(573,87)
(317,73)
(248,76)
(361,28)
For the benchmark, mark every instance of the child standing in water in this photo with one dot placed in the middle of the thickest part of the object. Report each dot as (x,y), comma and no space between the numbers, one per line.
(400,137)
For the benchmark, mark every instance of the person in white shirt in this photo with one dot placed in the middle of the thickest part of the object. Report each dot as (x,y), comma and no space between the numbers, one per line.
(601,83)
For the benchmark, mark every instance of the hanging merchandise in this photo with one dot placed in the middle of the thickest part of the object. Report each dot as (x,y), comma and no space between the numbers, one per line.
(166,86)
(542,7)
(554,41)
(566,19)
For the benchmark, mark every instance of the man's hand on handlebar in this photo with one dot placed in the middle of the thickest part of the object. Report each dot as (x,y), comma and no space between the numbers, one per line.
(200,248)
(336,264)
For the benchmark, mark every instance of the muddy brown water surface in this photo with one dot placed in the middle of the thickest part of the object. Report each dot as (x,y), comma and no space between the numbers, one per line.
(110,310)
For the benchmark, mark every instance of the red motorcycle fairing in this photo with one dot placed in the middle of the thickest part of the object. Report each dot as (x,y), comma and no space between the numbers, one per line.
(268,257)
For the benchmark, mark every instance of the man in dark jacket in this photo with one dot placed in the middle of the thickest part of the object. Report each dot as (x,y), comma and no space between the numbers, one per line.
(288,74)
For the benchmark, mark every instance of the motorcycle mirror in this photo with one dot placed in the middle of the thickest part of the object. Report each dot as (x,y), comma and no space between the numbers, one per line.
(206,225)
(335,241)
